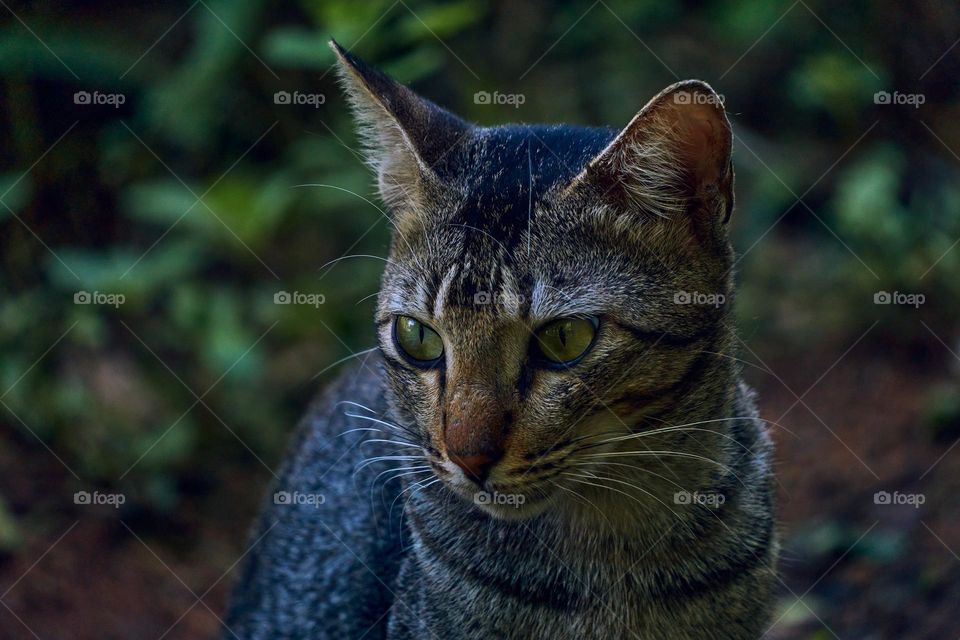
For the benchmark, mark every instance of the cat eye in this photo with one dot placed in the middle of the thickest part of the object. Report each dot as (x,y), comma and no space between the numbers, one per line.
(565,341)
(421,344)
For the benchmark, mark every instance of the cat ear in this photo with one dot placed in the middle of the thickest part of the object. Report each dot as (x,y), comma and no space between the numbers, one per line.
(407,136)
(672,158)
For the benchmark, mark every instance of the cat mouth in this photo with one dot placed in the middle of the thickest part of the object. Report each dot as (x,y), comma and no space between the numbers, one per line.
(508,500)
(504,501)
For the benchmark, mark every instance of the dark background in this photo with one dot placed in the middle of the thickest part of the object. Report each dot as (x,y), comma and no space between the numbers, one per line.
(183,200)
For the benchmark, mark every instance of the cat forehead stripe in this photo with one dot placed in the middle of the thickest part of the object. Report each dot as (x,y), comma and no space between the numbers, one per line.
(441,298)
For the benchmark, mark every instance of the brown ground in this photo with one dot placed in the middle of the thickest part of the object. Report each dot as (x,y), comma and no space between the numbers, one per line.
(897,581)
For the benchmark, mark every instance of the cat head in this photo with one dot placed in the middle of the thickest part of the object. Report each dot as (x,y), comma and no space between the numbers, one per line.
(549,289)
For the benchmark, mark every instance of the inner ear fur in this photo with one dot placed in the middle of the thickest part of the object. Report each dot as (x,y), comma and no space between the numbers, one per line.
(406,136)
(672,159)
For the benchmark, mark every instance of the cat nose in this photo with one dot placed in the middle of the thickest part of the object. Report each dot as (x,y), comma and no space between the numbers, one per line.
(475,430)
(476,466)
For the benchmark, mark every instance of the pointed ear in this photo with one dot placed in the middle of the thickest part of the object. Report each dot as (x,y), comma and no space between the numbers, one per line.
(407,137)
(672,159)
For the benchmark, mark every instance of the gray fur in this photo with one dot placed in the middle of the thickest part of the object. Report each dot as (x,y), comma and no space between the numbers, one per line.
(553,222)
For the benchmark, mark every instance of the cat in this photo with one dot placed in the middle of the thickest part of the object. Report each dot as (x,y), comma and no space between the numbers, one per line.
(552,440)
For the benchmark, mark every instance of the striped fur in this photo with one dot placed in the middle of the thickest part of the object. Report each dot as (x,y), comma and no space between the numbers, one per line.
(642,472)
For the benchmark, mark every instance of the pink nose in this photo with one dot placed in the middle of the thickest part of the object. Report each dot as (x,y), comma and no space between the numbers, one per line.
(478,465)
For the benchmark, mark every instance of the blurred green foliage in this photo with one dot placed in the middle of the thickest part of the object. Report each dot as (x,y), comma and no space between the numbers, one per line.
(187,199)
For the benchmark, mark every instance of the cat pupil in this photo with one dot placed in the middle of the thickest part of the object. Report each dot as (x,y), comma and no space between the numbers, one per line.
(563,336)
(421,333)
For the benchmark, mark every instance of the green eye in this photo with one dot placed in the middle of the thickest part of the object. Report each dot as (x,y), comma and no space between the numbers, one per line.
(565,340)
(417,340)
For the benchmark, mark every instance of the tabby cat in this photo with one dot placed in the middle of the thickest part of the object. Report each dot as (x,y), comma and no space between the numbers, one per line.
(552,440)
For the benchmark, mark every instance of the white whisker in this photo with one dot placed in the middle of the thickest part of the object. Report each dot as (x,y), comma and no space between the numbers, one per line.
(369,461)
(403,471)
(395,428)
(604,463)
(580,478)
(676,454)
(348,431)
(583,498)
(383,213)
(398,442)
(342,360)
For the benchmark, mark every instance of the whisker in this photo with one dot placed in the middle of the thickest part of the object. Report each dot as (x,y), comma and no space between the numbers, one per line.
(398,427)
(642,434)
(604,463)
(399,442)
(342,360)
(583,498)
(369,461)
(376,420)
(372,295)
(380,440)
(676,454)
(382,473)
(580,478)
(348,431)
(732,418)
(740,360)
(683,427)
(415,486)
(356,404)
(355,255)
(383,213)
(403,471)
(775,478)
(688,424)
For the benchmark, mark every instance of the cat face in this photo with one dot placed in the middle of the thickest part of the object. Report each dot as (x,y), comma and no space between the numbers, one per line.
(549,290)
